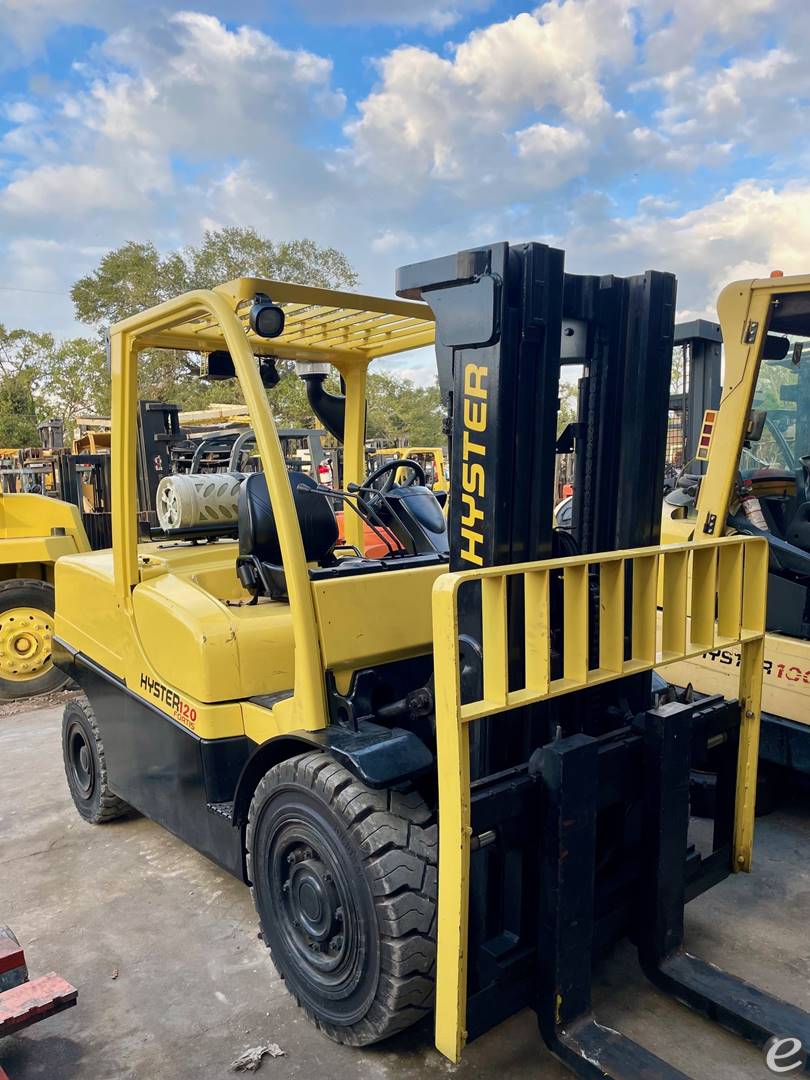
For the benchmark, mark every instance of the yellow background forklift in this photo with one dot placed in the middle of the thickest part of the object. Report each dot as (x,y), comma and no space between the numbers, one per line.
(467,720)
(431,458)
(749,474)
(35,531)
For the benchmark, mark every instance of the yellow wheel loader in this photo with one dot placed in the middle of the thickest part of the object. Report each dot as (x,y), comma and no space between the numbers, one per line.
(442,770)
(750,475)
(35,531)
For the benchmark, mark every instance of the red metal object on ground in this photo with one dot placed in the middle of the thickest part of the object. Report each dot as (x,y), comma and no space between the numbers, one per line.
(32,1001)
(12,957)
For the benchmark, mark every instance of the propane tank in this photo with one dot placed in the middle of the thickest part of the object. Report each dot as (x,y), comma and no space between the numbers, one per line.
(192,499)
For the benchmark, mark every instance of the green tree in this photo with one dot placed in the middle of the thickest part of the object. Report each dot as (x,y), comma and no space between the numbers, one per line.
(76,381)
(567,412)
(398,408)
(63,378)
(18,421)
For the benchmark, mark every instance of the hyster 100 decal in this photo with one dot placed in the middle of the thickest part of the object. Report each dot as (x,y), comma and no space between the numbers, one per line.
(788,672)
(170,700)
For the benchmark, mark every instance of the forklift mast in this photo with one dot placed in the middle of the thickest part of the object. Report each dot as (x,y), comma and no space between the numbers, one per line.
(701,345)
(507,319)
(563,790)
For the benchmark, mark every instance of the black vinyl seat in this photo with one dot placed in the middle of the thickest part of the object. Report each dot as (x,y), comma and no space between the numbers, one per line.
(259,562)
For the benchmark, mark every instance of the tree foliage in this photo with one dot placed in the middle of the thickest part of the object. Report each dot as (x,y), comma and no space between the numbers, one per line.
(18,421)
(45,379)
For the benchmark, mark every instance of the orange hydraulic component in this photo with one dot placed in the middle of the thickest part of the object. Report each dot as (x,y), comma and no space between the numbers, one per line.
(374,545)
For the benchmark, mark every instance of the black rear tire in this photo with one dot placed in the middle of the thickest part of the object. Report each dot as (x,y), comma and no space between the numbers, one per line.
(86,765)
(344,880)
(31,671)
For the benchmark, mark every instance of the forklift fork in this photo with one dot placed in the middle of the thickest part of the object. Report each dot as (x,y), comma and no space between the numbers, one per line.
(569,772)
(731,1002)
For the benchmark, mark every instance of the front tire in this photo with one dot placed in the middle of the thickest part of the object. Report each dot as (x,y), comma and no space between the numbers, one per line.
(86,765)
(26,634)
(344,880)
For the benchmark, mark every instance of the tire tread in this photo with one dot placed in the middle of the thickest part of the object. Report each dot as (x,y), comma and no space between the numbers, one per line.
(110,806)
(396,837)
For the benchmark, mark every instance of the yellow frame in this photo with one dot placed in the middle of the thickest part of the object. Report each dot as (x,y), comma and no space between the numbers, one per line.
(712,595)
(322,325)
(741,305)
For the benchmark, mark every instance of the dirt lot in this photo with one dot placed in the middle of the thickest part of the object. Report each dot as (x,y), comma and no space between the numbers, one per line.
(173,982)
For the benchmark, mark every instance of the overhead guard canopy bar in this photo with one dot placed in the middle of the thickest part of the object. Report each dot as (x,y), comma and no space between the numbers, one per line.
(320,324)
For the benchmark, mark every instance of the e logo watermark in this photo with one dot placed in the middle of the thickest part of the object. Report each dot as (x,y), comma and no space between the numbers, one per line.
(784,1055)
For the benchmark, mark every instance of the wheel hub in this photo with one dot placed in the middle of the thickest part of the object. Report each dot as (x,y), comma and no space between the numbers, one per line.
(81,761)
(312,908)
(314,901)
(25,643)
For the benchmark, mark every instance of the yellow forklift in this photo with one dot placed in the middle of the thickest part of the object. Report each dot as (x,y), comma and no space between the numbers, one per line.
(431,458)
(35,531)
(442,770)
(749,474)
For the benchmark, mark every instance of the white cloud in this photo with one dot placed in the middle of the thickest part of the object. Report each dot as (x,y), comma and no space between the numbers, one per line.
(524,129)
(207,91)
(745,233)
(515,109)
(678,29)
(551,58)
(394,240)
(26,24)
(21,112)
(760,101)
(84,188)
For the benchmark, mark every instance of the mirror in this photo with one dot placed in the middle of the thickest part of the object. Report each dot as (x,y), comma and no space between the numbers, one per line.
(756,425)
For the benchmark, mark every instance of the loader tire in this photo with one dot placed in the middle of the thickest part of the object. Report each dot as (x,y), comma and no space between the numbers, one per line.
(86,766)
(344,880)
(26,631)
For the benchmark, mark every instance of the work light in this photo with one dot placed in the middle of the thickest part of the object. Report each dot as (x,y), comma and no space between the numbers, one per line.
(266,318)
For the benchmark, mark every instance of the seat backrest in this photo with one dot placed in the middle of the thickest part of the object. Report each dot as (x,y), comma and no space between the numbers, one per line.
(258,534)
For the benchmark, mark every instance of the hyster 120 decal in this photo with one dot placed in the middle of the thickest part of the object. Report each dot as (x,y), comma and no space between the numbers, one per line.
(170,700)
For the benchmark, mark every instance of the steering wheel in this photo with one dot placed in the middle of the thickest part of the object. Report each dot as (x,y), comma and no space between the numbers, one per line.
(382,479)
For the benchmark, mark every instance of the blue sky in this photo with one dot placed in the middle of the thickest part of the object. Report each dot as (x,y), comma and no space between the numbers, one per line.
(633,133)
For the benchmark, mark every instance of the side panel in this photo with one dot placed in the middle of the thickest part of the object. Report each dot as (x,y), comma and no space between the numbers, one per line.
(163,770)
(25,516)
(373,618)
